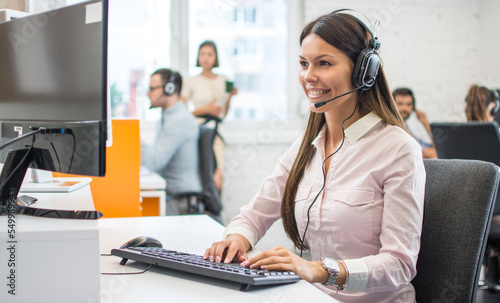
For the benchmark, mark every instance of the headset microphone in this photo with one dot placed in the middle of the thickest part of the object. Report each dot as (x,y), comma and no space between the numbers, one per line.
(321,103)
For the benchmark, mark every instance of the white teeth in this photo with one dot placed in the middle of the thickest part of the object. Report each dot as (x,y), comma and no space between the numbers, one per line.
(317,92)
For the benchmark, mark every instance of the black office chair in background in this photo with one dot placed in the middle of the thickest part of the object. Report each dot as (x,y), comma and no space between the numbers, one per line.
(476,141)
(459,198)
(208,200)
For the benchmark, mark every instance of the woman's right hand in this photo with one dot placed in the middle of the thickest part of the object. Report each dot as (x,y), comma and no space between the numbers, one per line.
(232,248)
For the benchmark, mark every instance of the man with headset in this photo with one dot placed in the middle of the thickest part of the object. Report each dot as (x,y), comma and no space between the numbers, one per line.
(415,121)
(174,154)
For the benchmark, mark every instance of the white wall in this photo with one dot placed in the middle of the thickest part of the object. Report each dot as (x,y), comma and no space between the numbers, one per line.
(489,47)
(436,47)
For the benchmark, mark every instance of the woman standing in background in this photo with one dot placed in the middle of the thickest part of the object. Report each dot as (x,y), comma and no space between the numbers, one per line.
(207,91)
(210,94)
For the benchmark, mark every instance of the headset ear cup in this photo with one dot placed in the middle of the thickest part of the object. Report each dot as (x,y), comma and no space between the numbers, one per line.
(366,69)
(169,88)
(495,109)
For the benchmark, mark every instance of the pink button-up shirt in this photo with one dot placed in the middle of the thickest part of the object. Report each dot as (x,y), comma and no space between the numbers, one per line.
(369,215)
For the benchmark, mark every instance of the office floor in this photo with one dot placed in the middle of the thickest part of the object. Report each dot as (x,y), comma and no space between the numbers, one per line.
(484,296)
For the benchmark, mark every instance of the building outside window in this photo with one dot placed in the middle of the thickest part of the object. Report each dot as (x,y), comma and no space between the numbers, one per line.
(251,37)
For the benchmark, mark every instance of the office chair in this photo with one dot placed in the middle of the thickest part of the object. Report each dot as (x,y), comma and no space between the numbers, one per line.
(476,141)
(216,121)
(208,200)
(459,198)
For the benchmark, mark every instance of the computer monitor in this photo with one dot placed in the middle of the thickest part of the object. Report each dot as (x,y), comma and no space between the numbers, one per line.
(471,140)
(53,94)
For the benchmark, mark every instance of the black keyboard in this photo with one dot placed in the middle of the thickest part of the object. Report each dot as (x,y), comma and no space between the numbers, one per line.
(195,264)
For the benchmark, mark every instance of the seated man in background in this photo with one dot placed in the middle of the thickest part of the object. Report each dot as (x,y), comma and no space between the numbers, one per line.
(174,154)
(416,121)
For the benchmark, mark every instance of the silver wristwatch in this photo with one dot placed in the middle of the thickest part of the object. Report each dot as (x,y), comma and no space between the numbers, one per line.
(332,267)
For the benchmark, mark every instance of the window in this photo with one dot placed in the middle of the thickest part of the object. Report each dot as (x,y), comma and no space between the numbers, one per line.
(138,43)
(251,38)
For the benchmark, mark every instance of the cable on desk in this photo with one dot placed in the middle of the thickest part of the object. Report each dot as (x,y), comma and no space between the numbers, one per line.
(127,273)
(124,273)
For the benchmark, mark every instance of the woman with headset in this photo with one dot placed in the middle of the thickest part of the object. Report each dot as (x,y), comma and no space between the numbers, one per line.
(350,190)
(481,104)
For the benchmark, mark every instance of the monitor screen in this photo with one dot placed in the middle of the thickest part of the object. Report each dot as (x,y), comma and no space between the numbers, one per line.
(53,80)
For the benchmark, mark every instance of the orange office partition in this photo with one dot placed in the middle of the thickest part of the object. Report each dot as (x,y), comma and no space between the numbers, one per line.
(117,194)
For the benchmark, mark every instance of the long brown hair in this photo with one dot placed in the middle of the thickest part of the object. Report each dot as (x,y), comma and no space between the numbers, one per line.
(344,32)
(478,98)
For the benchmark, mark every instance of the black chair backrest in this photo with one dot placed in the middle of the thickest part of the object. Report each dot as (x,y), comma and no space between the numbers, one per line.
(459,197)
(208,164)
(471,140)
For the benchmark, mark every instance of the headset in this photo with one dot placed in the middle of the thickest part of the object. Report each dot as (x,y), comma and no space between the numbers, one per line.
(368,62)
(169,88)
(495,98)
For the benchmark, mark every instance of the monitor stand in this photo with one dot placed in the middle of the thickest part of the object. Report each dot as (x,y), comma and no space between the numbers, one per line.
(11,178)
(42,181)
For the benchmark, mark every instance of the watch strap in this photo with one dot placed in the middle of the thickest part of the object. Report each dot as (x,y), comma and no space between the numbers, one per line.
(333,271)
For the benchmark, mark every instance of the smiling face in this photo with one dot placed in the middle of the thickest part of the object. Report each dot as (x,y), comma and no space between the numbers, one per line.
(325,73)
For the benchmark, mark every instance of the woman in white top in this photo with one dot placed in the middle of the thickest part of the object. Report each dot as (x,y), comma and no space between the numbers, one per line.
(207,91)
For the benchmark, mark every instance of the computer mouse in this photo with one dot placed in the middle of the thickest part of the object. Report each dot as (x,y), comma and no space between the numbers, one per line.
(142,241)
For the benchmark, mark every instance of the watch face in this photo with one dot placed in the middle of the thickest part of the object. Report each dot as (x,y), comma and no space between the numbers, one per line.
(331,263)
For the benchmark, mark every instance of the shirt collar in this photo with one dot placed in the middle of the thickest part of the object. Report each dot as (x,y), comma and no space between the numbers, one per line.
(170,110)
(357,130)
(173,108)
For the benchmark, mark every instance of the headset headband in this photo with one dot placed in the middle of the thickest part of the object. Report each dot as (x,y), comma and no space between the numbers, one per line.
(374,42)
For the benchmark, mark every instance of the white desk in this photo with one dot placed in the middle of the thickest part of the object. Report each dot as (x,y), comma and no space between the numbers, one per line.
(191,234)
(153,186)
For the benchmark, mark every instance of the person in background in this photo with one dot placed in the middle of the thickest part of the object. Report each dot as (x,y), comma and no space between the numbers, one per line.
(210,99)
(350,189)
(481,104)
(174,154)
(207,91)
(416,121)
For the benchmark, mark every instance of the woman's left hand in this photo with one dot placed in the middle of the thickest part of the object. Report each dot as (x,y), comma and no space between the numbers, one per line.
(280,258)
